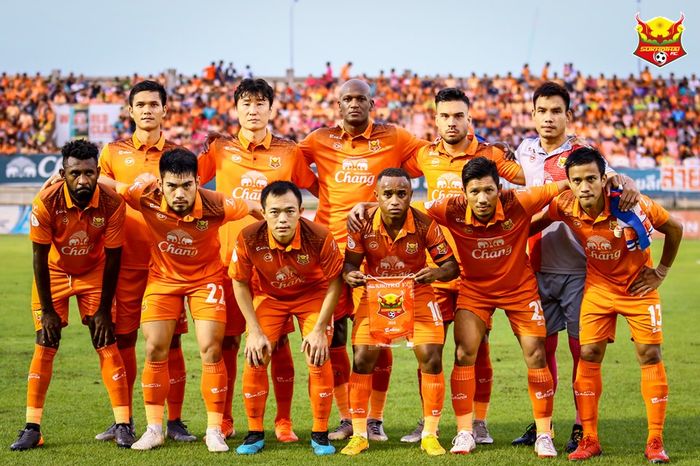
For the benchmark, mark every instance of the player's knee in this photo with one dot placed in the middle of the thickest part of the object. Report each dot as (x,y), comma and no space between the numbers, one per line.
(210,352)
(432,363)
(591,353)
(340,337)
(127,340)
(231,343)
(535,356)
(156,352)
(649,354)
(363,361)
(465,356)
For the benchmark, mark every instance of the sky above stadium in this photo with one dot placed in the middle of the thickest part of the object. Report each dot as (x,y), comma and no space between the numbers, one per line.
(428,37)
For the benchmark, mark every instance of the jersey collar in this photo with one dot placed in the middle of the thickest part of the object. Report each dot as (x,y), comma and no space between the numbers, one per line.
(194,214)
(408,227)
(578,212)
(158,145)
(471,219)
(295,243)
(367,133)
(94,201)
(246,144)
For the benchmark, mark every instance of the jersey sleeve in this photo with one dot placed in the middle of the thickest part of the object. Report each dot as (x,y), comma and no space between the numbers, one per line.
(508,169)
(656,214)
(132,193)
(206,163)
(234,209)
(114,233)
(437,245)
(553,210)
(331,260)
(40,230)
(437,210)
(354,243)
(408,146)
(241,268)
(306,146)
(302,175)
(105,162)
(534,199)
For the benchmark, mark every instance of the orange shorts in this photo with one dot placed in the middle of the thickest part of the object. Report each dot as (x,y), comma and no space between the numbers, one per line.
(87,288)
(522,307)
(275,316)
(428,328)
(600,308)
(165,300)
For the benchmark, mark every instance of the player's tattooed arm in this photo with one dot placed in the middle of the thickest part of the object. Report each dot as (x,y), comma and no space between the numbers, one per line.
(50,333)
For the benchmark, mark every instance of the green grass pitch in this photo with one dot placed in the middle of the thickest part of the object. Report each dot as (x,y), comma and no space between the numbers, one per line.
(77,406)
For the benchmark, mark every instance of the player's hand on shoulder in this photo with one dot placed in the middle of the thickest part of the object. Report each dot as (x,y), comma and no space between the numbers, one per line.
(630,192)
(358,216)
(211,137)
(254,209)
(646,282)
(145,179)
(508,152)
(53,179)
(355,278)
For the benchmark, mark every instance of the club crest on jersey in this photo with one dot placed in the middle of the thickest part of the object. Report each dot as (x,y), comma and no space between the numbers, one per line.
(561,161)
(659,40)
(613,224)
(202,225)
(507,224)
(303,259)
(442,248)
(374,145)
(390,305)
(98,222)
(411,248)
(275,161)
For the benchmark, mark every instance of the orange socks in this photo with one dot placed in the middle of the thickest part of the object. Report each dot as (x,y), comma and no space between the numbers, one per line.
(541,388)
(282,371)
(255,389)
(156,384)
(178,377)
(380,383)
(360,389)
(340,363)
(214,389)
(230,360)
(463,388)
(114,378)
(38,380)
(321,395)
(483,373)
(128,355)
(655,394)
(433,389)
(587,388)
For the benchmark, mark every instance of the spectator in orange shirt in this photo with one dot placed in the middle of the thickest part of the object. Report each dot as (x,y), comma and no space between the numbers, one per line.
(76,231)
(620,279)
(295,265)
(345,71)
(183,224)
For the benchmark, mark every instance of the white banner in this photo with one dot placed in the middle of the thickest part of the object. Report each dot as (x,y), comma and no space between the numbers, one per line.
(94,122)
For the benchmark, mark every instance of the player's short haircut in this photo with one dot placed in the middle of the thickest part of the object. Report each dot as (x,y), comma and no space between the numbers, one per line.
(178,161)
(80,149)
(393,172)
(148,86)
(255,88)
(552,89)
(451,94)
(477,168)
(584,156)
(279,188)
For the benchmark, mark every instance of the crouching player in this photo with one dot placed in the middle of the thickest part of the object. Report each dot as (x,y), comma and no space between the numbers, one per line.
(183,222)
(393,240)
(295,267)
(76,232)
(618,281)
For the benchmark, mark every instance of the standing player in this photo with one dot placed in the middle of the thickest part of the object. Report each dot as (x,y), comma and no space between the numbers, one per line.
(490,227)
(618,281)
(295,266)
(555,255)
(393,240)
(183,224)
(348,158)
(123,161)
(76,232)
(243,166)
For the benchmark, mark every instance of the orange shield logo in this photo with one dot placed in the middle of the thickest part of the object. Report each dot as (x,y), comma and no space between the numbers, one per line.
(659,40)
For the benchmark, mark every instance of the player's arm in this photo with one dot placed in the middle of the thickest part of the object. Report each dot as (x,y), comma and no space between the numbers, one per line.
(50,320)
(448,270)
(630,192)
(257,346)
(351,269)
(507,168)
(539,222)
(315,344)
(358,216)
(650,279)
(101,323)
(442,255)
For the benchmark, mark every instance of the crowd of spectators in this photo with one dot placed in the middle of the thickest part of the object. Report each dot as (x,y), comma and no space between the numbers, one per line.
(638,121)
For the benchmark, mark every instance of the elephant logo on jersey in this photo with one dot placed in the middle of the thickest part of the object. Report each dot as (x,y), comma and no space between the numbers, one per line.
(355,171)
(374,145)
(391,266)
(178,243)
(78,244)
(598,247)
(390,305)
(491,248)
(275,161)
(286,277)
(447,184)
(252,182)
